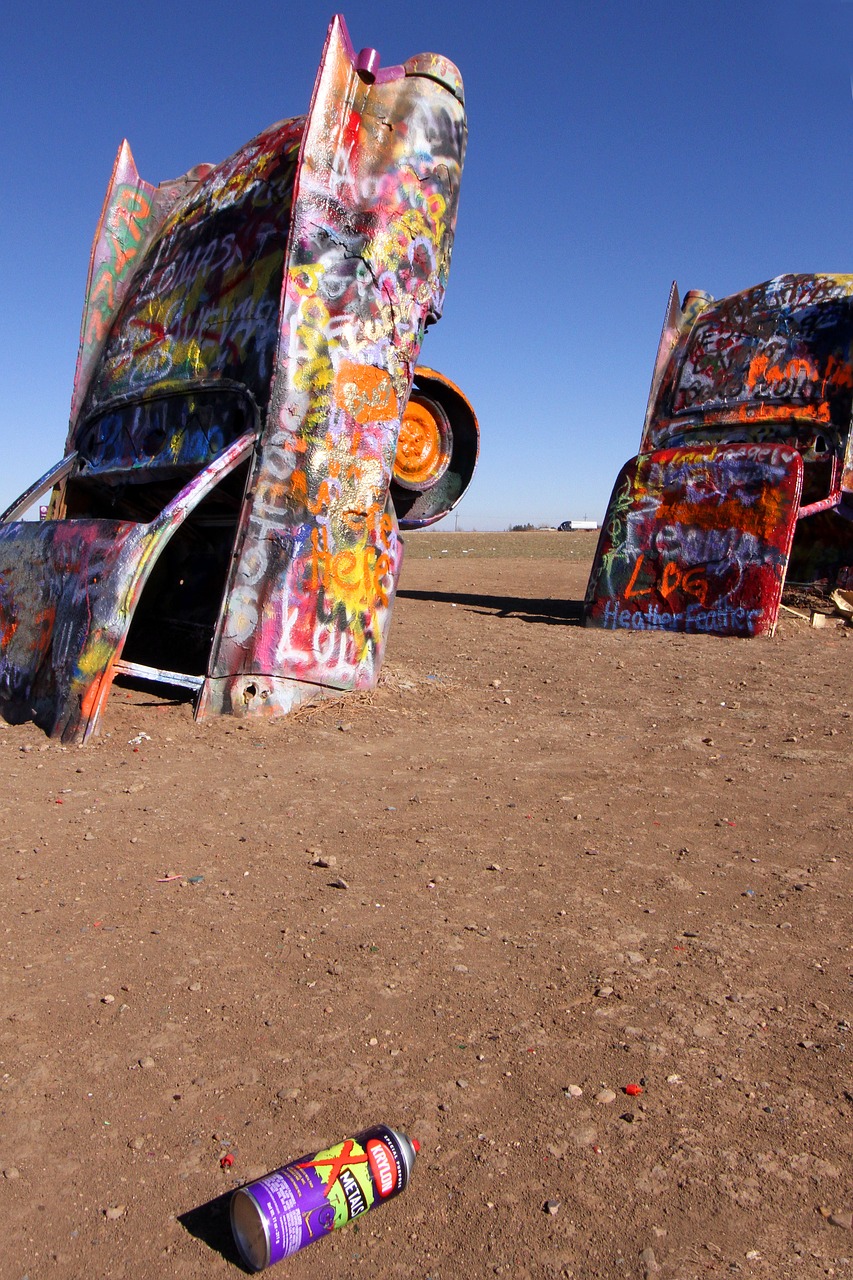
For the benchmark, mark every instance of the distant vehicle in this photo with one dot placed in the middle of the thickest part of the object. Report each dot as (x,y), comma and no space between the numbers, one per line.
(572,526)
(744,476)
(243,445)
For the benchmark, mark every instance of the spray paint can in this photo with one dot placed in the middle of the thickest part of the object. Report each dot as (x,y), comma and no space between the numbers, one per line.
(292,1207)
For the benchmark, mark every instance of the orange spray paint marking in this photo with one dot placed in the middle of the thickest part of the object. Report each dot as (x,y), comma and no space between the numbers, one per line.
(366,393)
(670,578)
(630,593)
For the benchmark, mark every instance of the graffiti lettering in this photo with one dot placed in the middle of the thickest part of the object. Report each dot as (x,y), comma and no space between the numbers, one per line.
(775,343)
(724,618)
(705,546)
(673,578)
(696,535)
(368,257)
(206,301)
(361,568)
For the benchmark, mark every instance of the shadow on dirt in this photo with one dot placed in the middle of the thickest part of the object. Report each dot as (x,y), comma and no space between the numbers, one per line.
(211,1223)
(554,611)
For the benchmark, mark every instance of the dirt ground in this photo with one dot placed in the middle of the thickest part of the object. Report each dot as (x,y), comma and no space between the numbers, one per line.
(560,862)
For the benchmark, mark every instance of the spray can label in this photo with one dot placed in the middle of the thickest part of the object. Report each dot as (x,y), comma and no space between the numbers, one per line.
(306,1200)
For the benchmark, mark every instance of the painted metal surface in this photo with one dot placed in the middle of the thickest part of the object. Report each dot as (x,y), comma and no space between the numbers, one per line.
(224,514)
(769,370)
(202,305)
(697,540)
(68,589)
(309,596)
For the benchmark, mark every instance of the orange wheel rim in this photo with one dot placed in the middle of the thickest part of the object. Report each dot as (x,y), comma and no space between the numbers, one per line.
(424,444)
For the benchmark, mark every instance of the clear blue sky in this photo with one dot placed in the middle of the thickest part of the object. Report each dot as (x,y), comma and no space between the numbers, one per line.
(612,148)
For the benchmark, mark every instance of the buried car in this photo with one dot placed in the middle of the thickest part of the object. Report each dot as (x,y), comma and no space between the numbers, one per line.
(744,478)
(243,433)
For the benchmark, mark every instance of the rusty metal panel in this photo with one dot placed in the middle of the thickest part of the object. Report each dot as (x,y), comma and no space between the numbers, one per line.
(697,540)
(374,209)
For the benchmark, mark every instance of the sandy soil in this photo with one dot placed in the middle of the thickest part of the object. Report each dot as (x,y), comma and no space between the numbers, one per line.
(572,860)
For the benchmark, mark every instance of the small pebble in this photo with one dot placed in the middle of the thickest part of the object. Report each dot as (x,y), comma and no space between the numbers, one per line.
(108,999)
(551,1206)
(573,1091)
(11,1173)
(649,1261)
(844,1219)
(319,861)
(339,883)
(114,1212)
(146,1063)
(605,1096)
(603,992)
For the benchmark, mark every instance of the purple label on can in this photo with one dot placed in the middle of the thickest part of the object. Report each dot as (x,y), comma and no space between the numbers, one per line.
(308,1199)
(296,1209)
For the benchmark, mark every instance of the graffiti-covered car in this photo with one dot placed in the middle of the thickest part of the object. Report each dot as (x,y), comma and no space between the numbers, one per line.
(244,431)
(744,478)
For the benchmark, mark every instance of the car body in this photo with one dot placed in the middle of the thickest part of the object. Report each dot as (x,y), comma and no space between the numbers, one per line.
(744,477)
(224,517)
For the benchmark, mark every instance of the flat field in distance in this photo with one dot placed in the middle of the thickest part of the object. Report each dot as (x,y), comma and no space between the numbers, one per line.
(535,544)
